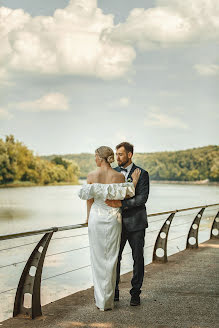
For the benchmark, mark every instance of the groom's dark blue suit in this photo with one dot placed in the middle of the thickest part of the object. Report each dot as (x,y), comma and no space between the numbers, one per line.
(134,213)
(134,223)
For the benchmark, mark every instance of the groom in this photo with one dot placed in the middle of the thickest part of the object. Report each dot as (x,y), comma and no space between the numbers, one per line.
(134,220)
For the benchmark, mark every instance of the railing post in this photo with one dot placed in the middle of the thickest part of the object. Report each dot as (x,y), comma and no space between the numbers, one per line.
(161,241)
(30,281)
(215,227)
(192,239)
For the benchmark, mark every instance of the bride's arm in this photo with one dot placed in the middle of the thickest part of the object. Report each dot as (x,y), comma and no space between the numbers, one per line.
(89,201)
(89,204)
(118,203)
(135,178)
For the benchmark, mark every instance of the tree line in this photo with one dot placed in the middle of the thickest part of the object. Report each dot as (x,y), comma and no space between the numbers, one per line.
(186,165)
(19,165)
(195,164)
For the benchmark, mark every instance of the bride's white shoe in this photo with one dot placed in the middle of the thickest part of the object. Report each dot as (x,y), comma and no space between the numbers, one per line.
(109,309)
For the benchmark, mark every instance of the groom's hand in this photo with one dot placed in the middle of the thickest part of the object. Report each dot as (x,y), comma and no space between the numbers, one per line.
(113,203)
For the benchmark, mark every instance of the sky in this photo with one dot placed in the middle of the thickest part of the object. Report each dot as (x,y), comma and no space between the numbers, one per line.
(78,74)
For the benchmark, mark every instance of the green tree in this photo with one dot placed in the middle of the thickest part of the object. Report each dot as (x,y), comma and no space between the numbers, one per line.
(18,163)
(59,161)
(8,164)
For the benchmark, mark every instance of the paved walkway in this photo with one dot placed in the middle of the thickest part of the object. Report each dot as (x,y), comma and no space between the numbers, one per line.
(181,293)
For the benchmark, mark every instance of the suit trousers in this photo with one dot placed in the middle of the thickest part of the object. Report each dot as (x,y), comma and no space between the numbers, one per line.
(136,242)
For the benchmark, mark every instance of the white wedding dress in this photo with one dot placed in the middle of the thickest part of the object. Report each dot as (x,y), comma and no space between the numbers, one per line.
(104,229)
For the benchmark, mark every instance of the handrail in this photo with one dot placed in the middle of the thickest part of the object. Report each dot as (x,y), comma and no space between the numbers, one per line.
(41,231)
(30,280)
(77,226)
(181,210)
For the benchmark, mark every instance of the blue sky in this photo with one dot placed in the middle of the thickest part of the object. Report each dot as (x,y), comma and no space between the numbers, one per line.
(78,74)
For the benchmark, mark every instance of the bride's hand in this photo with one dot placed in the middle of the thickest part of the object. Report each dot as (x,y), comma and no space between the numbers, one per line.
(135,176)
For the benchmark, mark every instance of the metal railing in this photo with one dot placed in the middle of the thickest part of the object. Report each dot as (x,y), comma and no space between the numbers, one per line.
(30,280)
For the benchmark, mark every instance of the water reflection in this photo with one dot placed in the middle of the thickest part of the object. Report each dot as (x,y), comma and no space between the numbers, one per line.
(14,213)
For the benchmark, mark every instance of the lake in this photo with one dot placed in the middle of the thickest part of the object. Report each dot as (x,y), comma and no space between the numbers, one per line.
(66,267)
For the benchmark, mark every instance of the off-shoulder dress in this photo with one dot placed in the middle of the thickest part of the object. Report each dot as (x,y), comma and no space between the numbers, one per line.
(104,230)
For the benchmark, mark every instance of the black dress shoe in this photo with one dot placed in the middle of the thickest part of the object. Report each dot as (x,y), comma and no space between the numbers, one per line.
(116,297)
(135,300)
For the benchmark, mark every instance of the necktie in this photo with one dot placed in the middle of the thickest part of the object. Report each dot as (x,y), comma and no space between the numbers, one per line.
(122,169)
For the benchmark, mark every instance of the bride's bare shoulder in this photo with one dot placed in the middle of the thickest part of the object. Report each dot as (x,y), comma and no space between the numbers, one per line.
(91,177)
(118,177)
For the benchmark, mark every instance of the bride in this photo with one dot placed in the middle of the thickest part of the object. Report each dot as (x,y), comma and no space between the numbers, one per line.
(105,223)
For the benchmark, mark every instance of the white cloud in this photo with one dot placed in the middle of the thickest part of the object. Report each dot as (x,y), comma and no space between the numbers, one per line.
(162,120)
(81,40)
(70,42)
(207,70)
(5,115)
(116,138)
(169,23)
(4,77)
(49,102)
(124,102)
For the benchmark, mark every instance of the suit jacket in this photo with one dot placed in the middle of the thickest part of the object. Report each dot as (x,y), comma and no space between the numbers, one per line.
(134,214)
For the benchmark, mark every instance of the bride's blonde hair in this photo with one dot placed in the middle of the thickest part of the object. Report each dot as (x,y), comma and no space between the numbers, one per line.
(105,153)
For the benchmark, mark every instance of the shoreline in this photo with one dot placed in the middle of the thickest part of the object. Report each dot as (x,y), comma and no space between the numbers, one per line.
(198,182)
(29,184)
(18,185)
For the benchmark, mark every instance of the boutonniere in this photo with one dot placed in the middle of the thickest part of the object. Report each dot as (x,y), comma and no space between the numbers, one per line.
(129,180)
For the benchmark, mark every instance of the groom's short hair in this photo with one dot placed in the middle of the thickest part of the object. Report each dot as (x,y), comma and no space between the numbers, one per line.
(128,147)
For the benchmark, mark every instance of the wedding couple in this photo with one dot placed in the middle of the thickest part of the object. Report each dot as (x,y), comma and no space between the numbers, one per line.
(116,213)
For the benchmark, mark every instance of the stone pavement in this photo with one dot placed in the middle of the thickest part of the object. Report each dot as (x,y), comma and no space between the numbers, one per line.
(181,293)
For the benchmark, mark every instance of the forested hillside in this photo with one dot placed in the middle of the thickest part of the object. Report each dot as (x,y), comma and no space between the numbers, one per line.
(185,165)
(19,166)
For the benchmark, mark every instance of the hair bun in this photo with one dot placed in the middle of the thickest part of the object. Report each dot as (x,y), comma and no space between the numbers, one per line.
(105,153)
(110,159)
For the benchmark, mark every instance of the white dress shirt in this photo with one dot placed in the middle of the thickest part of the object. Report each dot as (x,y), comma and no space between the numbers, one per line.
(128,168)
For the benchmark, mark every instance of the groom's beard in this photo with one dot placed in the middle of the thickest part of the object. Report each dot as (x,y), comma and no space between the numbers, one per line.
(123,163)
